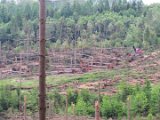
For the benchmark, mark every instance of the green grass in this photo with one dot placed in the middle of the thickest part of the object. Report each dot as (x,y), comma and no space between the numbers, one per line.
(61,79)
(16,82)
(93,76)
(66,78)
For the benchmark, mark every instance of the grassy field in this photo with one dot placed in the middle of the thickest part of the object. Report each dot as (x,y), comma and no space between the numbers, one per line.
(56,80)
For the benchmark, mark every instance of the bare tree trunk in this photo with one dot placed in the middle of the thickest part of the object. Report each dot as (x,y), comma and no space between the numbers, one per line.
(97,111)
(42,76)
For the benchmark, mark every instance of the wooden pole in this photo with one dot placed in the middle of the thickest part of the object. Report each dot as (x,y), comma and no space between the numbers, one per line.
(97,111)
(42,75)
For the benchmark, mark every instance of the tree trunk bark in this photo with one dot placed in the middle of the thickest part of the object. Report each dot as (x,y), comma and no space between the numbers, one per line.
(42,76)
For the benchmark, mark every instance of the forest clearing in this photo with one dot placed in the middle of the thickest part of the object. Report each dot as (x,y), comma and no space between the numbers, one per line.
(79,60)
(100,78)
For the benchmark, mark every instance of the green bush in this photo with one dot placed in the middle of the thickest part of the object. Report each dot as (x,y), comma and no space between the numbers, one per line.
(59,102)
(124,91)
(90,109)
(32,100)
(111,107)
(147,90)
(150,117)
(144,101)
(87,96)
(85,103)
(8,98)
(72,96)
(81,107)
(139,103)
(155,100)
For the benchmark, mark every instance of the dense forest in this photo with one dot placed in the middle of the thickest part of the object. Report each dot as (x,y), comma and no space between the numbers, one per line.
(84,23)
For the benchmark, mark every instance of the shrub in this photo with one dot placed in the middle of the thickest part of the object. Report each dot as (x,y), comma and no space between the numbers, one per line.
(147,91)
(125,91)
(155,100)
(90,109)
(32,100)
(84,101)
(87,96)
(81,107)
(111,107)
(150,117)
(72,96)
(8,98)
(59,102)
(139,103)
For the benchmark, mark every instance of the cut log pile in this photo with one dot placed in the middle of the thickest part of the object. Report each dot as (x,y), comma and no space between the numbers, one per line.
(67,61)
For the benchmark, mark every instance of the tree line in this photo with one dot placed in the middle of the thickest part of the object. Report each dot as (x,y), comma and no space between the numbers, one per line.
(83,23)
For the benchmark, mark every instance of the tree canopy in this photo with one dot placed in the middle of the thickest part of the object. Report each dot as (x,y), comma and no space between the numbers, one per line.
(120,23)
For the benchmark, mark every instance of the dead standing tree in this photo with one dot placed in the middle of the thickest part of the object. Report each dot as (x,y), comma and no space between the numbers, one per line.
(97,112)
(42,76)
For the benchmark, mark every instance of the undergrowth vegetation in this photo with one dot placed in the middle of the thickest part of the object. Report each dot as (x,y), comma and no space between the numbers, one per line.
(138,100)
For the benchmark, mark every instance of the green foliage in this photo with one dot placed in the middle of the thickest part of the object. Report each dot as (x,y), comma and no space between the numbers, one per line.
(8,99)
(112,107)
(126,23)
(155,100)
(139,103)
(125,91)
(85,103)
(89,99)
(32,100)
(72,96)
(147,91)
(81,107)
(150,117)
(144,101)
(87,96)
(59,102)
